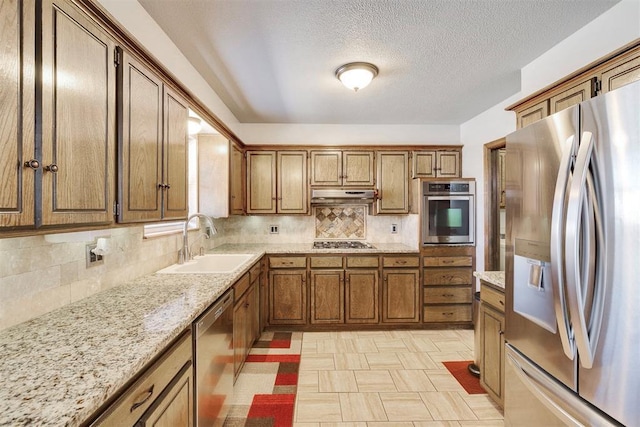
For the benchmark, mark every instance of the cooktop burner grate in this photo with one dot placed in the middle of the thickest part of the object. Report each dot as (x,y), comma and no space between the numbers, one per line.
(341,244)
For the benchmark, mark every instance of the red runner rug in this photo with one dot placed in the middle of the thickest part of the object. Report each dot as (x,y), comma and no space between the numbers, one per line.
(460,372)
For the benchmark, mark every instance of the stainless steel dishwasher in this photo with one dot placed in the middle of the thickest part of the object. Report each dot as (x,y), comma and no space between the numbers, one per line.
(213,349)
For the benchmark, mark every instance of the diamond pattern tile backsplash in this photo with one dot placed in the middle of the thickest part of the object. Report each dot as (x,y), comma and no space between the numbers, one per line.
(343,222)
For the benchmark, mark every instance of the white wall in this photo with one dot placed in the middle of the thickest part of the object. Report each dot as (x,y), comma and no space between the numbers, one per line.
(615,28)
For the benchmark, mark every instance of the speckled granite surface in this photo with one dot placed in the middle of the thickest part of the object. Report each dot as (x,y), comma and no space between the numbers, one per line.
(58,369)
(496,278)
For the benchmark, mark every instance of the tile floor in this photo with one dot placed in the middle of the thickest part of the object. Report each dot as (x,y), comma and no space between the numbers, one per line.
(387,378)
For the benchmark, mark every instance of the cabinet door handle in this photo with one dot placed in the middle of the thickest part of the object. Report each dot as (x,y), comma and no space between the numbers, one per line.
(53,168)
(167,186)
(142,398)
(33,164)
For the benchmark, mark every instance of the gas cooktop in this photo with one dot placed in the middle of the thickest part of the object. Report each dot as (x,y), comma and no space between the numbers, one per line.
(341,244)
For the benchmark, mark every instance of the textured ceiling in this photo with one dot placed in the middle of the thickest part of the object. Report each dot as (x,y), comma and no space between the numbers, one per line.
(440,61)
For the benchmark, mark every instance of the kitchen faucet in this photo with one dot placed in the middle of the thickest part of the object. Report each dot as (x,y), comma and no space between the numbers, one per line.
(184,254)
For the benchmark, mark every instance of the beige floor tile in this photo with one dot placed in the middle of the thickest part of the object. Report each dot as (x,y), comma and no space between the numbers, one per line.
(317,362)
(362,407)
(417,361)
(347,345)
(309,347)
(374,381)
(447,406)
(317,336)
(372,334)
(306,425)
(451,345)
(411,380)
(404,407)
(317,407)
(353,361)
(327,346)
(394,345)
(384,361)
(365,345)
(444,382)
(420,344)
(336,381)
(482,423)
(483,406)
(436,424)
(356,424)
(308,381)
(389,424)
(446,356)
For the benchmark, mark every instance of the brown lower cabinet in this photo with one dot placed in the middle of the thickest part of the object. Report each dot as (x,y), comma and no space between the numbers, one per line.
(246,317)
(492,341)
(401,296)
(288,290)
(361,296)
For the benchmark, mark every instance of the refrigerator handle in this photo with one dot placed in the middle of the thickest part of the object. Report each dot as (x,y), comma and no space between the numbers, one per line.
(558,220)
(585,255)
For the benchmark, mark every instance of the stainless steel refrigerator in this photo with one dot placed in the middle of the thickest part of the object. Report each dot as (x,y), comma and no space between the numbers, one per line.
(573,266)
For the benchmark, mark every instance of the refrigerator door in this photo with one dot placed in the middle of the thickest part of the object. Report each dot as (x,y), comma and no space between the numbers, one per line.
(533,161)
(536,399)
(613,321)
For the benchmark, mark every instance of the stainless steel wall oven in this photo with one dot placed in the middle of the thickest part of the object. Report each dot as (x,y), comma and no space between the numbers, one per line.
(448,212)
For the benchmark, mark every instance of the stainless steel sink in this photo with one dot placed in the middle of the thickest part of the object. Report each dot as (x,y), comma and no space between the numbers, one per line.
(210,263)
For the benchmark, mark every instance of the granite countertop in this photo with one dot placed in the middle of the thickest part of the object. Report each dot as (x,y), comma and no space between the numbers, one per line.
(59,368)
(495,278)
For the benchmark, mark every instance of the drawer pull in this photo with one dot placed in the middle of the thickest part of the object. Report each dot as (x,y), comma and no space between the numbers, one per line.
(447,261)
(447,295)
(448,313)
(401,261)
(142,398)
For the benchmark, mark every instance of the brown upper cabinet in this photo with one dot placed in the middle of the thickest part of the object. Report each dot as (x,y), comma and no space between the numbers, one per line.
(78,118)
(153,146)
(236,181)
(436,164)
(277,182)
(18,165)
(604,75)
(337,168)
(393,182)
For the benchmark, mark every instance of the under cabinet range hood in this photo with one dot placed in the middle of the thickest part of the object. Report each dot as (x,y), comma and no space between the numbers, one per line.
(337,196)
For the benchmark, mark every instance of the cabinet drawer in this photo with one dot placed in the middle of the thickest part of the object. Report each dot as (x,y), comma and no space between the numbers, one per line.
(154,380)
(400,261)
(448,261)
(326,261)
(288,262)
(363,261)
(241,286)
(492,297)
(447,313)
(448,276)
(447,295)
(254,272)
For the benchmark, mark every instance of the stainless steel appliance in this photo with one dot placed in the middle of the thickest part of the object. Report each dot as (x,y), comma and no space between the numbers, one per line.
(448,212)
(572,270)
(213,349)
(341,244)
(338,196)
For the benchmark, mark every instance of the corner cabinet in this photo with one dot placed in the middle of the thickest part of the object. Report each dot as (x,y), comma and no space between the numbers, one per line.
(393,182)
(78,118)
(153,146)
(336,168)
(18,165)
(277,182)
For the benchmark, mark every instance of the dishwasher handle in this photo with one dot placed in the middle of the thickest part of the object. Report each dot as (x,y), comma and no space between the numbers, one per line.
(214,312)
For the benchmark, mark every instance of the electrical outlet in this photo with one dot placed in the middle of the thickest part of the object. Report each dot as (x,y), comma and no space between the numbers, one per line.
(93,259)
(394,228)
(273,229)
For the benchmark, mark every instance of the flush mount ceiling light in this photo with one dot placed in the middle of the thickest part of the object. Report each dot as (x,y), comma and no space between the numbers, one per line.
(195,125)
(356,75)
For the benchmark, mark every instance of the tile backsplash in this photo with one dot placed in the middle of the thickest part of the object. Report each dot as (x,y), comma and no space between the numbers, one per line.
(340,222)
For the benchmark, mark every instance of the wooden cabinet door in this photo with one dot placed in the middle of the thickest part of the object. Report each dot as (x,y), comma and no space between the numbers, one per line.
(621,73)
(17,109)
(236,182)
(326,168)
(292,185)
(240,327)
(261,182)
(492,352)
(400,296)
(393,182)
(361,296)
(424,164)
(572,96)
(448,164)
(357,168)
(140,141)
(174,407)
(253,299)
(175,201)
(327,296)
(78,118)
(287,297)
(532,114)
